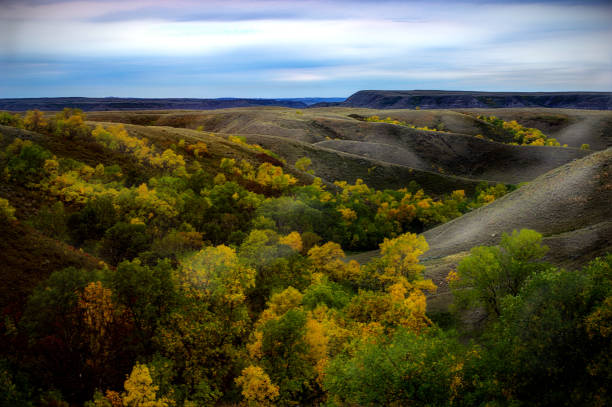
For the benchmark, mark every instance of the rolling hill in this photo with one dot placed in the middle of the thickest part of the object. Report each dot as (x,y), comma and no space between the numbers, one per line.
(440,99)
(453,151)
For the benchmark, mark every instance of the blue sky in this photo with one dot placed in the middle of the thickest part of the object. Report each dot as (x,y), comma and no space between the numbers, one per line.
(308,48)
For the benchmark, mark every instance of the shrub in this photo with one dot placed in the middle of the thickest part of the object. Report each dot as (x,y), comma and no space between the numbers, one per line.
(7,212)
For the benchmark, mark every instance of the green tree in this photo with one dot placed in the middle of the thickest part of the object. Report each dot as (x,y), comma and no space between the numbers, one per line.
(150,293)
(490,273)
(548,347)
(284,349)
(26,162)
(90,223)
(409,369)
(124,241)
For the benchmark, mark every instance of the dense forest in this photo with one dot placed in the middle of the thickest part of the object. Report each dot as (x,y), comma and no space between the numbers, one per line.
(170,275)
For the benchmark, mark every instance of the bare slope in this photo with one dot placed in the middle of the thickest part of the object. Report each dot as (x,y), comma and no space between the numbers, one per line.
(332,165)
(457,154)
(572,197)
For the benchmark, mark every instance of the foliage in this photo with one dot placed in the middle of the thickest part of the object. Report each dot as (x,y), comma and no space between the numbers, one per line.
(409,369)
(35,120)
(522,135)
(8,119)
(140,390)
(303,163)
(7,212)
(52,221)
(25,162)
(124,241)
(226,281)
(389,120)
(485,194)
(257,389)
(116,137)
(547,348)
(488,274)
(70,124)
(92,222)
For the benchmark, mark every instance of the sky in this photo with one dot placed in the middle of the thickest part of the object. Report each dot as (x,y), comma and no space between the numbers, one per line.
(307,48)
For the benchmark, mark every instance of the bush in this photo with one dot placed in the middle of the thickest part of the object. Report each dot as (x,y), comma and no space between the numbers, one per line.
(26,162)
(7,119)
(7,212)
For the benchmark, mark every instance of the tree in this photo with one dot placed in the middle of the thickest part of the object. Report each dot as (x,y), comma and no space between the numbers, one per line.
(26,162)
(551,343)
(203,335)
(35,120)
(70,124)
(140,390)
(284,351)
(409,369)
(257,388)
(58,335)
(327,259)
(124,241)
(293,240)
(218,271)
(105,326)
(400,257)
(91,223)
(488,274)
(150,294)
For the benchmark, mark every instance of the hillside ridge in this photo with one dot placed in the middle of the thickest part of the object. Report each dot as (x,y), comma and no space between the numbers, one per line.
(439,99)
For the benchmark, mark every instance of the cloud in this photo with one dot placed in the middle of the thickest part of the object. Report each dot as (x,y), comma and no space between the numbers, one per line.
(254,48)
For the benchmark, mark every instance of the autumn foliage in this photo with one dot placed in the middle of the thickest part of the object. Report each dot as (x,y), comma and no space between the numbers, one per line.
(229,279)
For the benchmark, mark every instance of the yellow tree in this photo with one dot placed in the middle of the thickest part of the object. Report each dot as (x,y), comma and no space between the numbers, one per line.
(400,257)
(35,120)
(102,321)
(328,260)
(219,271)
(140,390)
(293,240)
(303,163)
(257,388)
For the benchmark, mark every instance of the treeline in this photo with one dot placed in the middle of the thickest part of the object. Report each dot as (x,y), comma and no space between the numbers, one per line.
(524,136)
(440,127)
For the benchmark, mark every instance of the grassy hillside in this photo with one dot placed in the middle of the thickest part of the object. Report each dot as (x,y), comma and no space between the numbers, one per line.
(454,151)
(29,257)
(568,198)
